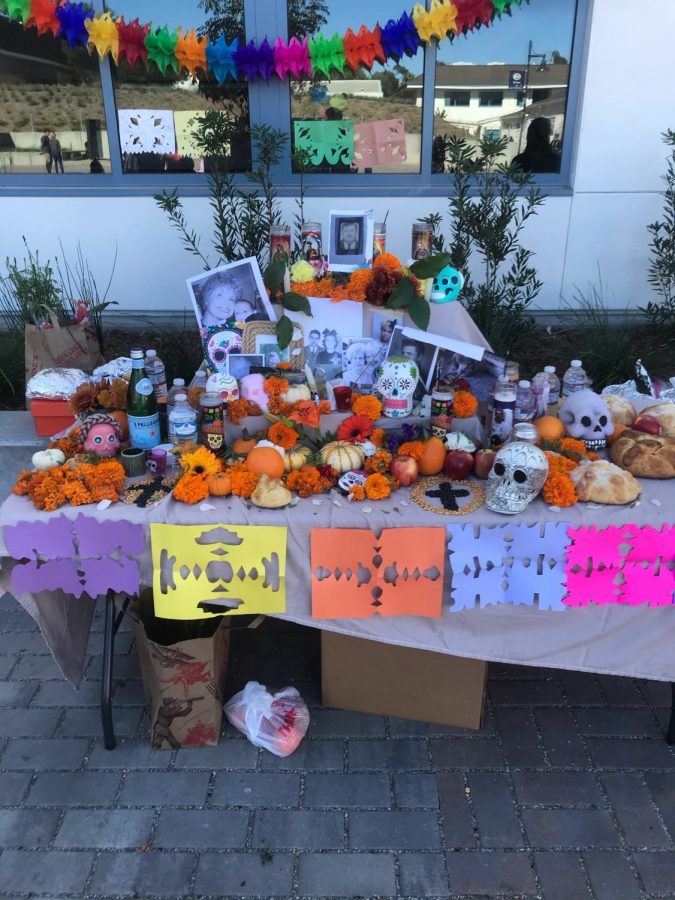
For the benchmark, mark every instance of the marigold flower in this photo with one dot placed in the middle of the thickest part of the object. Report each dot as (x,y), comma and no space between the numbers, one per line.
(377,487)
(324,407)
(239,409)
(414,449)
(200,462)
(191,488)
(377,437)
(573,445)
(282,435)
(559,491)
(278,407)
(378,462)
(275,385)
(464,405)
(355,429)
(357,492)
(367,405)
(242,480)
(358,283)
(387,261)
(305,481)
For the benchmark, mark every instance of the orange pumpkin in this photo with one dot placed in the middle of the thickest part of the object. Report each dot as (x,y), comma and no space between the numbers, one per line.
(265,461)
(549,428)
(434,457)
(121,418)
(242,446)
(219,485)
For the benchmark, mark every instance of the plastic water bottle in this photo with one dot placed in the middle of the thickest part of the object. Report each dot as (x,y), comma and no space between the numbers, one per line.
(182,422)
(178,387)
(524,402)
(574,378)
(541,388)
(553,392)
(200,379)
(157,375)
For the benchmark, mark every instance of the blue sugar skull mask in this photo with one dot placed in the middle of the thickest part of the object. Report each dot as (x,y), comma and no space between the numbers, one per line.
(447,285)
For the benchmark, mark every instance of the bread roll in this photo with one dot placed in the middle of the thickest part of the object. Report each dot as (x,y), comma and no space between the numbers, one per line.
(645,455)
(621,410)
(603,482)
(665,413)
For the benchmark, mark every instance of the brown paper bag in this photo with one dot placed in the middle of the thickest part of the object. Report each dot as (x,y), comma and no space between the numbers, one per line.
(67,347)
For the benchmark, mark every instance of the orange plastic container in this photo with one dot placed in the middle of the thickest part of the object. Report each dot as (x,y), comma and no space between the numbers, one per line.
(51,416)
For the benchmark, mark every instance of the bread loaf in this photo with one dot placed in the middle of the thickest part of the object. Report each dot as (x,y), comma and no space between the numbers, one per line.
(644,455)
(603,482)
(665,413)
(621,410)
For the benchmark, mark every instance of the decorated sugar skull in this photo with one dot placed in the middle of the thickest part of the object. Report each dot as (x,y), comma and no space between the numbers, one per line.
(355,478)
(447,285)
(396,384)
(587,418)
(252,387)
(224,384)
(219,347)
(101,434)
(517,476)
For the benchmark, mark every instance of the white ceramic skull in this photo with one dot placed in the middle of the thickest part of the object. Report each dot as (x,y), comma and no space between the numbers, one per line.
(587,418)
(517,476)
(396,384)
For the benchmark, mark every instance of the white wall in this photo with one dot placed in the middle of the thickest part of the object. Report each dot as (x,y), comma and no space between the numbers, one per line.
(627,101)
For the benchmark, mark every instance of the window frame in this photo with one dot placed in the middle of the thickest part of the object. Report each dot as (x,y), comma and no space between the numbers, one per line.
(271,104)
(448,94)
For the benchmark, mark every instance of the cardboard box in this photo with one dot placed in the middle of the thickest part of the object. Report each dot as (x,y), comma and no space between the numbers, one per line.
(373,677)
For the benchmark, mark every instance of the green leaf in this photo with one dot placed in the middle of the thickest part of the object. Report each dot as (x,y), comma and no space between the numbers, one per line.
(402,295)
(274,276)
(284,332)
(420,312)
(296,303)
(431,266)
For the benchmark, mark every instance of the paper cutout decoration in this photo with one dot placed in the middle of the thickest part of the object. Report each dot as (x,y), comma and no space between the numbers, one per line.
(147,131)
(78,556)
(355,574)
(185,122)
(18,10)
(327,54)
(72,17)
(292,58)
(329,141)
(132,37)
(379,143)
(643,585)
(363,48)
(103,36)
(161,45)
(205,570)
(471,13)
(441,19)
(191,51)
(220,59)
(399,37)
(43,16)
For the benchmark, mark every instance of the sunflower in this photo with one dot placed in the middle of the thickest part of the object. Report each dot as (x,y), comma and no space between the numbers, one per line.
(200,462)
(355,429)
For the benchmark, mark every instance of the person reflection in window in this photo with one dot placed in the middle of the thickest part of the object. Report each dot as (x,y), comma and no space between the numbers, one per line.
(57,155)
(538,155)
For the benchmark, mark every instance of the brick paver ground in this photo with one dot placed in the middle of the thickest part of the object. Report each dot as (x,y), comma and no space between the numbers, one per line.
(568,791)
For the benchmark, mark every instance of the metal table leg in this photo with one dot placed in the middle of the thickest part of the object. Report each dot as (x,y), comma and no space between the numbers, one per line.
(112,624)
(670,734)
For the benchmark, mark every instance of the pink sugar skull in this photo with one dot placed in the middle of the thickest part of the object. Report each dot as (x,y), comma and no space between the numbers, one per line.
(101,435)
(252,387)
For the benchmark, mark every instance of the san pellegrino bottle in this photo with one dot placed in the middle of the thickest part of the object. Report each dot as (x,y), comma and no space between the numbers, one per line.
(142,413)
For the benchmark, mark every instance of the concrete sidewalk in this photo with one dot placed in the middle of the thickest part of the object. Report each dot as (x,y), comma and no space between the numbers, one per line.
(567,792)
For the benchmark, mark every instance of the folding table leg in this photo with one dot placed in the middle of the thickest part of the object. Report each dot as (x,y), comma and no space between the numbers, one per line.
(106,683)
(670,734)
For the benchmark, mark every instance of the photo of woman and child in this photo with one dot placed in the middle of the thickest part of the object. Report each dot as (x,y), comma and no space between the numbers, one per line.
(233,293)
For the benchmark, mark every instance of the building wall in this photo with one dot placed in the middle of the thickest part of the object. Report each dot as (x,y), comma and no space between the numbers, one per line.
(602,225)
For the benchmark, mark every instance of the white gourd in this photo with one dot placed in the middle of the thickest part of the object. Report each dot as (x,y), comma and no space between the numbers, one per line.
(342,456)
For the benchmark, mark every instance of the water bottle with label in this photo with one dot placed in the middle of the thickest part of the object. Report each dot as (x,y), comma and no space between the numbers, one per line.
(178,387)
(541,388)
(182,422)
(574,378)
(144,432)
(524,402)
(157,374)
(553,391)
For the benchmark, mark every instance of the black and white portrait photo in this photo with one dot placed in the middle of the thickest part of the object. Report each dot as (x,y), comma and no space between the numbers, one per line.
(245,363)
(420,352)
(481,374)
(350,240)
(360,358)
(232,293)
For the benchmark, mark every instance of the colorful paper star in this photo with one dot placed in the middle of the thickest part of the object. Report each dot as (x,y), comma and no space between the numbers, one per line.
(473,12)
(363,48)
(72,17)
(103,36)
(327,54)
(191,51)
(501,6)
(220,59)
(441,18)
(161,45)
(132,37)
(292,58)
(399,37)
(19,10)
(254,61)
(43,16)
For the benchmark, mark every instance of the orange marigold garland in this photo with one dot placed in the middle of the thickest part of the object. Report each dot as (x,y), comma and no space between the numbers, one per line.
(388,261)
(559,465)
(559,490)
(78,485)
(367,405)
(278,407)
(378,487)
(464,405)
(243,481)
(358,282)
(69,445)
(282,435)
(275,385)
(191,489)
(378,462)
(414,449)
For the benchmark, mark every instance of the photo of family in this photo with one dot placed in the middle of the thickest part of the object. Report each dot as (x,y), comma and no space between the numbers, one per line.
(323,353)
(231,293)
(350,244)
(272,353)
(450,365)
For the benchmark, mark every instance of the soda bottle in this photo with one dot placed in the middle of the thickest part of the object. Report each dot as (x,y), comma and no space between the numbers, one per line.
(178,387)
(142,411)
(503,410)
(157,374)
(553,391)
(524,402)
(574,378)
(182,422)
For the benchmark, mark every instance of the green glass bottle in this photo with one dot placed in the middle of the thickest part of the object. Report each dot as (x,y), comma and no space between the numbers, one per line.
(142,413)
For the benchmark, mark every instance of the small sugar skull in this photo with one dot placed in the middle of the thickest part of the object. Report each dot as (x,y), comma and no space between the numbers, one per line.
(447,285)
(396,384)
(215,442)
(224,384)
(252,388)
(517,476)
(587,418)
(101,434)
(355,478)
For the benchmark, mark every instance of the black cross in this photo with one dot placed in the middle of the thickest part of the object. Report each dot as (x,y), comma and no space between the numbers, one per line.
(447,493)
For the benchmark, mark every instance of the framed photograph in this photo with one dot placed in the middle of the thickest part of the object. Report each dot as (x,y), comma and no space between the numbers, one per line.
(480,373)
(324,331)
(244,363)
(260,338)
(350,241)
(360,360)
(231,293)
(382,328)
(419,347)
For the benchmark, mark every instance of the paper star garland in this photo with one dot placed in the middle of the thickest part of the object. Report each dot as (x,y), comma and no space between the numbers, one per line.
(473,12)
(103,36)
(501,6)
(441,18)
(72,17)
(132,37)
(363,48)
(292,58)
(43,16)
(400,37)
(191,51)
(254,61)
(327,55)
(161,46)
(220,59)
(18,10)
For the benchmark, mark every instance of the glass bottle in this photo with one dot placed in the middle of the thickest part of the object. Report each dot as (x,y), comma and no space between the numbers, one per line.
(574,378)
(144,432)
(503,411)
(541,388)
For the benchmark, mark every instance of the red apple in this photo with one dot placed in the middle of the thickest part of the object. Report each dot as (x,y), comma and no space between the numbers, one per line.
(458,464)
(483,463)
(648,424)
(405,470)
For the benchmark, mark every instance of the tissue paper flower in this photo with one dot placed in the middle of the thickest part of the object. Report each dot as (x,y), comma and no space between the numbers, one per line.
(292,58)
(43,16)
(400,37)
(302,271)
(191,51)
(161,46)
(18,10)
(220,59)
(103,35)
(327,54)
(72,17)
(132,37)
(363,48)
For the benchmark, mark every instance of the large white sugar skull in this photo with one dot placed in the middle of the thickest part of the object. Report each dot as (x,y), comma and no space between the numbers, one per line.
(587,418)
(396,384)
(252,387)
(517,476)
(447,285)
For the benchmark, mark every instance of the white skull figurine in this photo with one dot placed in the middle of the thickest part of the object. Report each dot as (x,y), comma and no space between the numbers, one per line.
(517,476)
(396,384)
(587,418)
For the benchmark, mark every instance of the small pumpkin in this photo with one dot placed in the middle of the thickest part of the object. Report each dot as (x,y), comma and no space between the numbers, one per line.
(48,459)
(266,461)
(296,392)
(342,456)
(242,446)
(433,458)
(219,485)
(296,458)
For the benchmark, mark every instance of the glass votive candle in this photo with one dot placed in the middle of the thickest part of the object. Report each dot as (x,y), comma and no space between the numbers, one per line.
(343,397)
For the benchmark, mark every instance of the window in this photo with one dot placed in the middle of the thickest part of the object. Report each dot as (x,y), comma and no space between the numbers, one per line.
(51,106)
(491,98)
(458,98)
(493,133)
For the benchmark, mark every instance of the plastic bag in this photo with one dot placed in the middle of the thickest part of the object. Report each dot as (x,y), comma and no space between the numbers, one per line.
(277,722)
